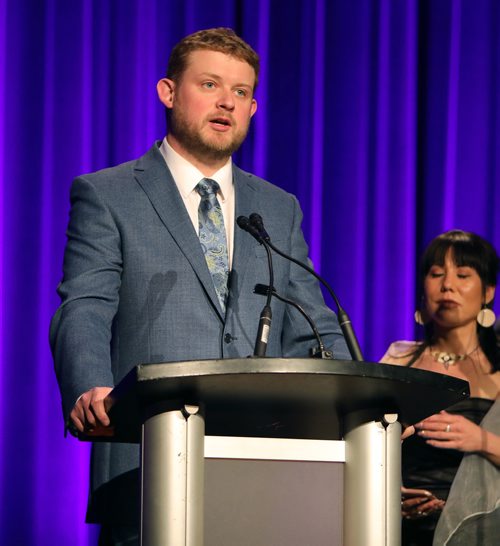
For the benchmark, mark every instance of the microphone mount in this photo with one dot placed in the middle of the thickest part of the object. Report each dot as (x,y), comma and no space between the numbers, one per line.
(316,352)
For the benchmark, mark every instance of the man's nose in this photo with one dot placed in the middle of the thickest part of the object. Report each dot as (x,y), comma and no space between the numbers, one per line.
(226,99)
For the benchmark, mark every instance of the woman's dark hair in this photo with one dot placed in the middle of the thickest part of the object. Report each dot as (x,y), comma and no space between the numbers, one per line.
(469,250)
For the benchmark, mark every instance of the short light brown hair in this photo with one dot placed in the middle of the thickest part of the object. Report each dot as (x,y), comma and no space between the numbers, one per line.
(221,39)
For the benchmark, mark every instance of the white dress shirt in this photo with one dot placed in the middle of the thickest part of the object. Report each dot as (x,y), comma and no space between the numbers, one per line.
(187,176)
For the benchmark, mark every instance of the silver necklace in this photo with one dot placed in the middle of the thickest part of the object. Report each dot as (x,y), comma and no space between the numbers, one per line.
(450,359)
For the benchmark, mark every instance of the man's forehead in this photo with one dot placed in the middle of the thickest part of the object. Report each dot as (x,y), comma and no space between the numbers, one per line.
(207,58)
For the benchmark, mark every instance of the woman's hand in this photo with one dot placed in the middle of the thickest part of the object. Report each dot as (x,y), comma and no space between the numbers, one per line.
(448,431)
(407,432)
(418,503)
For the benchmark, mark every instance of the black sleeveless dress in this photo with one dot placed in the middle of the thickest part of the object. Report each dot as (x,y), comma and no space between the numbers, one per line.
(431,468)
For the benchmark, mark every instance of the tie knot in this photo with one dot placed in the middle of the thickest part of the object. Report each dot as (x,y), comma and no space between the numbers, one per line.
(207,187)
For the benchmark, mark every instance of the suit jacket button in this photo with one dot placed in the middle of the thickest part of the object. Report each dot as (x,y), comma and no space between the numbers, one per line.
(228,338)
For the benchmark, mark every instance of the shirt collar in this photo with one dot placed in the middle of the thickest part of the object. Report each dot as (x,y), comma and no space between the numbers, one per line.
(187,176)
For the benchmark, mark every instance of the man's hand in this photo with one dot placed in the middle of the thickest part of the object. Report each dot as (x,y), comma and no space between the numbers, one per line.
(89,415)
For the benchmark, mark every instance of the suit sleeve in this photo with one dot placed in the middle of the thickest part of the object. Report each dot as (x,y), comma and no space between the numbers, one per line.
(80,331)
(304,289)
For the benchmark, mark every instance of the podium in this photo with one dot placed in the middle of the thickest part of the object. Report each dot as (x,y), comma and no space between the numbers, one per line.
(170,408)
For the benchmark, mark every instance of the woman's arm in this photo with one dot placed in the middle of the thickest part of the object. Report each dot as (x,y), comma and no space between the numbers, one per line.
(447,431)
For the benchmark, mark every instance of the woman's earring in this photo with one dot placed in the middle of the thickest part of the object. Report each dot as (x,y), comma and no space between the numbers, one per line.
(486,317)
(418,317)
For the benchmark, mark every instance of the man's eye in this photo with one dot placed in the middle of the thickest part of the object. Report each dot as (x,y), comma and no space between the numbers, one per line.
(241,92)
(209,85)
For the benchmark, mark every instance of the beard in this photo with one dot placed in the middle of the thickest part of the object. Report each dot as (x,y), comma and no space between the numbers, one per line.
(199,145)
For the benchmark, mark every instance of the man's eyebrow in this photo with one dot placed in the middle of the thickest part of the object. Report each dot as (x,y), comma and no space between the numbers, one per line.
(210,75)
(219,78)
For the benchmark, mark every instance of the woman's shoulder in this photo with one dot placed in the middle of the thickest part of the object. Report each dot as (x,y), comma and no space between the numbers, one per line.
(400,352)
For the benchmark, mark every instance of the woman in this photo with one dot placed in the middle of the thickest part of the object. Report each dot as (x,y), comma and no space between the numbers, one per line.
(458,279)
(471,516)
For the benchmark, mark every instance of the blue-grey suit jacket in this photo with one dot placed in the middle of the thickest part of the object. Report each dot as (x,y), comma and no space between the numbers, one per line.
(136,289)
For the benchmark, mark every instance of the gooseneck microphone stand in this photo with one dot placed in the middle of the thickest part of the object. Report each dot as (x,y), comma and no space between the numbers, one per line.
(316,352)
(256,222)
(266,314)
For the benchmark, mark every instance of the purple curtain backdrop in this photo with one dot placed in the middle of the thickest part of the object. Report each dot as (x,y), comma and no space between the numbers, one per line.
(383,117)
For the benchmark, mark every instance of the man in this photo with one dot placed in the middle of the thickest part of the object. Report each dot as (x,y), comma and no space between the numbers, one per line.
(155,271)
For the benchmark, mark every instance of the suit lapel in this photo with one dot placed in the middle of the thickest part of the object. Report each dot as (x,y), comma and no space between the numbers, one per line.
(244,244)
(155,179)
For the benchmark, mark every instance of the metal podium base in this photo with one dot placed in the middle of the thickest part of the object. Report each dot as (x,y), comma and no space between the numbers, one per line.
(372,491)
(172,478)
(173,459)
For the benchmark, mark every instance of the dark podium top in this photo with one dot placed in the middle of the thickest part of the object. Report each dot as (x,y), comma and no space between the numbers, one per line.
(279,397)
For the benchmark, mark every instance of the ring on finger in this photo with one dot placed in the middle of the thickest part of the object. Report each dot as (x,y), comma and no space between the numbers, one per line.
(448,428)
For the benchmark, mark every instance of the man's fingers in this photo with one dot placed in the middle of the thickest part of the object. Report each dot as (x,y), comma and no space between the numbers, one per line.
(90,420)
(89,411)
(77,421)
(100,412)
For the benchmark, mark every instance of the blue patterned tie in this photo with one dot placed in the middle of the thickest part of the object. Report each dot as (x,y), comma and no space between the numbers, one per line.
(213,236)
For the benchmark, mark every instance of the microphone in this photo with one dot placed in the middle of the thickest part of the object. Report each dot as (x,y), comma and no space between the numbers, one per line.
(344,320)
(266,314)
(244,223)
(257,222)
(319,351)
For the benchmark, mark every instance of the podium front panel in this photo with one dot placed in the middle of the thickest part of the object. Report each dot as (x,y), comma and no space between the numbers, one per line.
(252,502)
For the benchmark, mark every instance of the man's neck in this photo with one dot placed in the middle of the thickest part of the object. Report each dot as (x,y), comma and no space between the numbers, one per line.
(207,165)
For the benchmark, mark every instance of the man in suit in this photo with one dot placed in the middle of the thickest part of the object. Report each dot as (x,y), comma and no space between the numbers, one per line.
(152,276)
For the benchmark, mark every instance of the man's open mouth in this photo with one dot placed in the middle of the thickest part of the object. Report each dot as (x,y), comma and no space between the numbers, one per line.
(223,122)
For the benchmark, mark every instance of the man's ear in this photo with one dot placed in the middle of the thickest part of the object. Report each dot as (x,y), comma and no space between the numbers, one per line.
(166,92)
(253,108)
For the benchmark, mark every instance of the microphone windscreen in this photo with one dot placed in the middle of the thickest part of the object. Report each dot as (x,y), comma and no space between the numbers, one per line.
(243,222)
